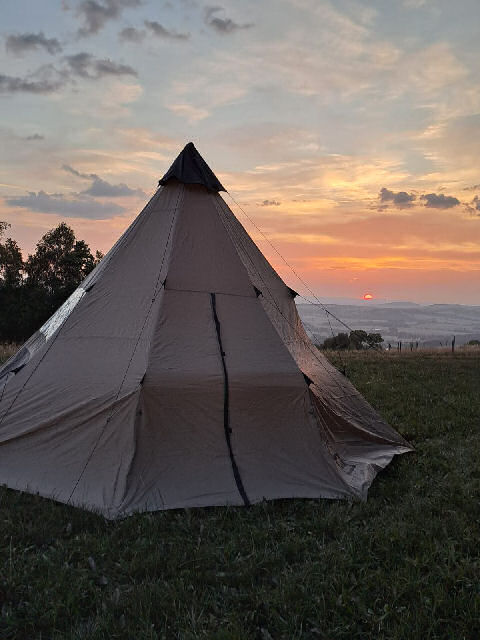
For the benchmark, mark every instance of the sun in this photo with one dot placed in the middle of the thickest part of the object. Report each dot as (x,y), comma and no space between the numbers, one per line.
(367,296)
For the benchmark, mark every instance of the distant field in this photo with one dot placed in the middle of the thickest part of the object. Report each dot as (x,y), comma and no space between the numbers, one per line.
(433,325)
(404,565)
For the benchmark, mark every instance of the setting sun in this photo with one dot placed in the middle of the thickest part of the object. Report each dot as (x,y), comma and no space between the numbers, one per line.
(368,296)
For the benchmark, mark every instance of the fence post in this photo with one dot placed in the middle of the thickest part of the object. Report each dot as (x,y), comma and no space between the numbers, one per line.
(453,345)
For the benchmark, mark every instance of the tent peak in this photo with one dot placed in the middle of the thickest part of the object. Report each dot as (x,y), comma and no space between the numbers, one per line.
(190,168)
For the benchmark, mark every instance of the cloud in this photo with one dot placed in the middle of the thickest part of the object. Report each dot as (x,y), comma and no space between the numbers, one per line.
(43,81)
(400,199)
(86,176)
(101,188)
(203,91)
(414,4)
(474,206)
(85,65)
(130,34)
(95,14)
(145,141)
(48,79)
(453,145)
(78,207)
(439,201)
(192,114)
(13,146)
(160,31)
(270,203)
(223,25)
(431,69)
(347,57)
(18,44)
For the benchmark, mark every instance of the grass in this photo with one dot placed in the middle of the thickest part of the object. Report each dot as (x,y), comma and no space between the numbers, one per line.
(404,565)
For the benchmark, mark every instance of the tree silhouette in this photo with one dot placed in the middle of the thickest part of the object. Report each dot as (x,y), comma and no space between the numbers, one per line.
(355,340)
(31,291)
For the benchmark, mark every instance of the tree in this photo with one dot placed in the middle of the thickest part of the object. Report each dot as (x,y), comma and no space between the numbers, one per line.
(374,341)
(60,262)
(356,340)
(340,341)
(11,264)
(30,292)
(11,280)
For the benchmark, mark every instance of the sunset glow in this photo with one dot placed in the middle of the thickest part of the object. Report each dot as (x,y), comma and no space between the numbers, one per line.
(368,296)
(347,131)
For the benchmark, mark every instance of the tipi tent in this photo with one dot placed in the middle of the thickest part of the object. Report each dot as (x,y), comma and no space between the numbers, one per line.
(179,375)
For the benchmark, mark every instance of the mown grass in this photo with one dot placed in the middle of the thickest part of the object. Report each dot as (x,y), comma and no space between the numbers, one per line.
(404,565)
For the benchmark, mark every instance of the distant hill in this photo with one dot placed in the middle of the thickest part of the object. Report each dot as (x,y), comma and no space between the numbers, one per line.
(429,325)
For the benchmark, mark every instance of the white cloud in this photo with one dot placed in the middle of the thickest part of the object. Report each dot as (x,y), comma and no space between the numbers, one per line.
(105,101)
(431,69)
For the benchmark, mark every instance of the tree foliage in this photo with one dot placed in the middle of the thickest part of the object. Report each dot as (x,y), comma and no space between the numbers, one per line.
(31,290)
(60,261)
(355,340)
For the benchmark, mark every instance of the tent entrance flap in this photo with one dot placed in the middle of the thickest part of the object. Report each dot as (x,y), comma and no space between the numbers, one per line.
(226,409)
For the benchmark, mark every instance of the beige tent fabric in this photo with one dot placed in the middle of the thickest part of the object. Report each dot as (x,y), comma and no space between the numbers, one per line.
(178,375)
(331,389)
(62,409)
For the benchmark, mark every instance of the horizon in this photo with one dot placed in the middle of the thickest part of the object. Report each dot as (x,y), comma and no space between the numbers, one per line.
(348,132)
(377,303)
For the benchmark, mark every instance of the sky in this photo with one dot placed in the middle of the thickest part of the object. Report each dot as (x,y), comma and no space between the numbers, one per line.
(347,131)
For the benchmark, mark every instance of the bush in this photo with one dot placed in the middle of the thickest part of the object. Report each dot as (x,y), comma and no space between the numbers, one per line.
(355,340)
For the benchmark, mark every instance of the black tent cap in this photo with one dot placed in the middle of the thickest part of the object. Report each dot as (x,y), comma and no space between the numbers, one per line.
(190,168)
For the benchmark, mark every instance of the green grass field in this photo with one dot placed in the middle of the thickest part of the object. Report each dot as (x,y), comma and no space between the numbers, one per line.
(404,565)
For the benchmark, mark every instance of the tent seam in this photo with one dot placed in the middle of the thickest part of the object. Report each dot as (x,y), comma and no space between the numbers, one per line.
(226,408)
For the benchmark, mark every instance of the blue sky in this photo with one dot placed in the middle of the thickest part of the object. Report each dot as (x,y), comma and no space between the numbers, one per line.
(348,130)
